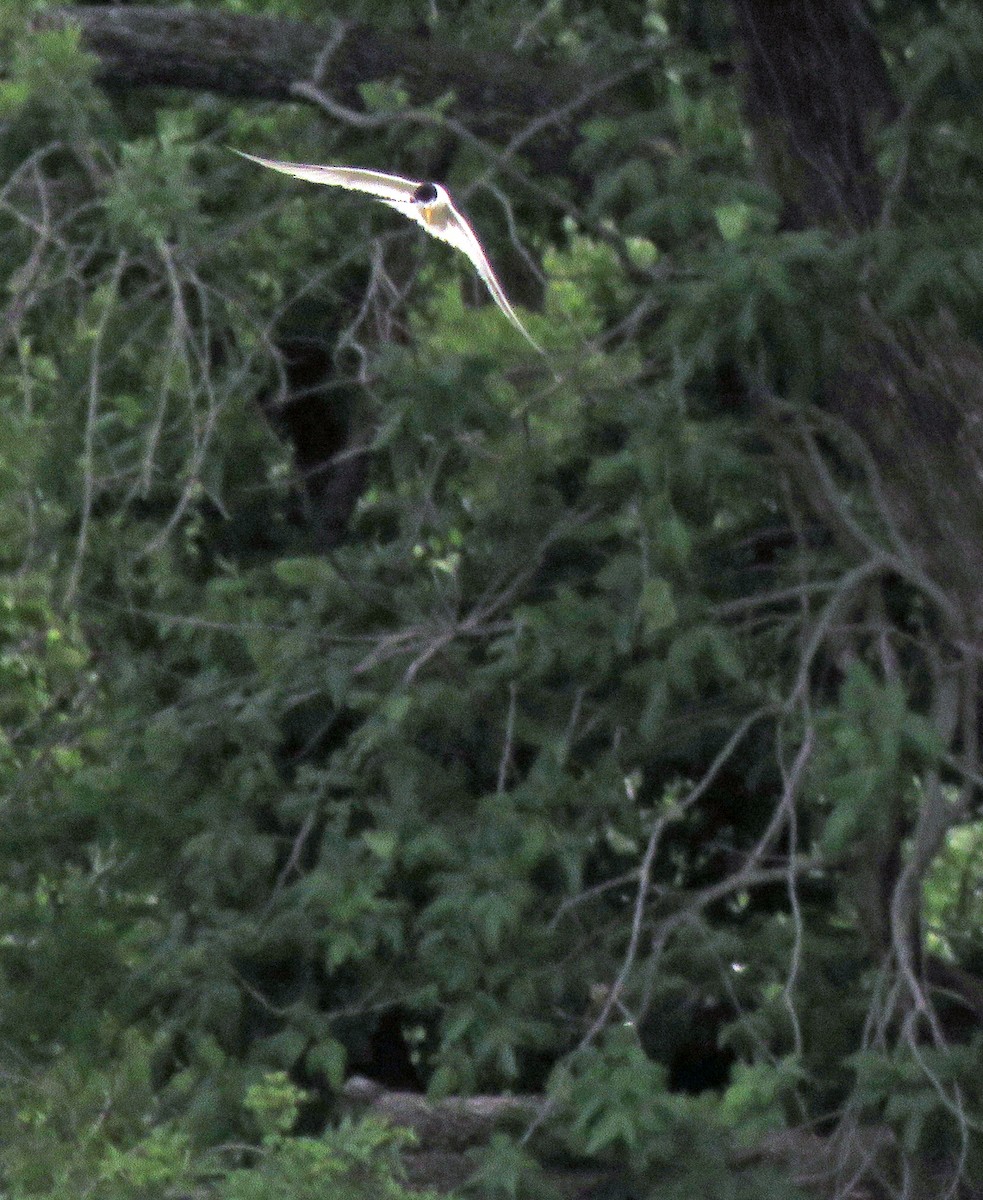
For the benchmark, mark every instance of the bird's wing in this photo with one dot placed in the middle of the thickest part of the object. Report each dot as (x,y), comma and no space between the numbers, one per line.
(355,179)
(398,193)
(456,231)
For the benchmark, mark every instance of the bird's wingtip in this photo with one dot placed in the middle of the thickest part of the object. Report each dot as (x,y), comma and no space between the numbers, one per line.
(243,154)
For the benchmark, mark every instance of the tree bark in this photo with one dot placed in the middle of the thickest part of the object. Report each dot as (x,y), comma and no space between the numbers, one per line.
(816,93)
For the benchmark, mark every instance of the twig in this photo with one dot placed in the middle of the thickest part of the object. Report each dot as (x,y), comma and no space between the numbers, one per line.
(88,445)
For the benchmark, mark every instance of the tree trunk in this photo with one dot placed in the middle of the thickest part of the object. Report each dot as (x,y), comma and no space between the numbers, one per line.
(816,95)
(907,405)
(816,92)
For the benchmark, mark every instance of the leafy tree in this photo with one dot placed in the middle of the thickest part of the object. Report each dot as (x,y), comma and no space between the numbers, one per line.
(380,698)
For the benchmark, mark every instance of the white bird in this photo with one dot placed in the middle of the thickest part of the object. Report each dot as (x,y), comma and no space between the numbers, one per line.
(429,204)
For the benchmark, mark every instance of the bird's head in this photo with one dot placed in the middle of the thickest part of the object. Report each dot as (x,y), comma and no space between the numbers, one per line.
(429,199)
(427,194)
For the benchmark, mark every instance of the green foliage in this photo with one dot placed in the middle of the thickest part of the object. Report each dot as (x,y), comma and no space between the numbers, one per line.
(266,802)
(619,1108)
(505,1170)
(952,897)
(78,1131)
(42,662)
(356,1161)
(873,748)
(49,68)
(924,1094)
(274,1103)
(153,196)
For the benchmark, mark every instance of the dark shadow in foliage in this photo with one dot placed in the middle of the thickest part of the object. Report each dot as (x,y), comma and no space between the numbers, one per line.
(315,418)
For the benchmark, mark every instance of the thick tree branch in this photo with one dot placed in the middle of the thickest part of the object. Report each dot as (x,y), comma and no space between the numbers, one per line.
(497,93)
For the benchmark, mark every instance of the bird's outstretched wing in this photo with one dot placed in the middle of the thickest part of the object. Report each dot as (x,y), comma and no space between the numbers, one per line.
(440,218)
(458,233)
(355,179)
(449,226)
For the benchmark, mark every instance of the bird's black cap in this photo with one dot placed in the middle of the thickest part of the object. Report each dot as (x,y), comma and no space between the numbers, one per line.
(426,193)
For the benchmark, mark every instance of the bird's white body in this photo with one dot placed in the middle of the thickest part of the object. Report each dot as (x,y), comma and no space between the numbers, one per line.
(428,204)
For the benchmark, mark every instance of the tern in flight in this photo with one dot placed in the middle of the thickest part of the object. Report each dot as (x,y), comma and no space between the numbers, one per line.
(428,204)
